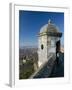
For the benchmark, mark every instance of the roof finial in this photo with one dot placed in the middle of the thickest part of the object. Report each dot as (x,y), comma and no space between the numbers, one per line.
(49,21)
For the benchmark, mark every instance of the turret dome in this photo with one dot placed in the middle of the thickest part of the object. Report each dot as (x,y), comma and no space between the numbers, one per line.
(50,27)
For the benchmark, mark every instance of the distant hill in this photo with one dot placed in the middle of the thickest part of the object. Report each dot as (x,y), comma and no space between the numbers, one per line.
(29,52)
(25,47)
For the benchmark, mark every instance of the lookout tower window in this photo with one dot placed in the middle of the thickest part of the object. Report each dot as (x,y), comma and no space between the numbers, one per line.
(42,46)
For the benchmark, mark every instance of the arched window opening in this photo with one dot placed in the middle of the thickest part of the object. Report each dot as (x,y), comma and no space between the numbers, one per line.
(42,46)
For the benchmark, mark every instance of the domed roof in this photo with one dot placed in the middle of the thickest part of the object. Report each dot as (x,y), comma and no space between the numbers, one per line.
(49,28)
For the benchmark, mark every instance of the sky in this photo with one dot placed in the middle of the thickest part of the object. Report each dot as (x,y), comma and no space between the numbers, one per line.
(30,23)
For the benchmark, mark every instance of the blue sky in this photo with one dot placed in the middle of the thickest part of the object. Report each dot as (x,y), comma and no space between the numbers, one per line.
(30,23)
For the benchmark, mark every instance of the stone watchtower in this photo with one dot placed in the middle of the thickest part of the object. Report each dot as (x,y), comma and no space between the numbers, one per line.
(47,40)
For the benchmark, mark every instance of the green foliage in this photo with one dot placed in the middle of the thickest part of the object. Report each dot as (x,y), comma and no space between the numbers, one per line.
(26,70)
